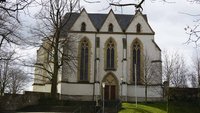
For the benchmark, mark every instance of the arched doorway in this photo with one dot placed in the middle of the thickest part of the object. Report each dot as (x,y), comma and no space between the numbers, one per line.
(111,87)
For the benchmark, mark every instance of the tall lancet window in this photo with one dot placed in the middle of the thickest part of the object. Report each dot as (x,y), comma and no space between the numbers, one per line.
(110,28)
(136,61)
(83,26)
(84,60)
(110,54)
(138,28)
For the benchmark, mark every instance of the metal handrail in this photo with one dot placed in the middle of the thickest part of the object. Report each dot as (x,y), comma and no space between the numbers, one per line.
(117,106)
(100,110)
(77,110)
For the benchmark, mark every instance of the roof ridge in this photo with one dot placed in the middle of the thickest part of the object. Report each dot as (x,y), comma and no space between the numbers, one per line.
(98,19)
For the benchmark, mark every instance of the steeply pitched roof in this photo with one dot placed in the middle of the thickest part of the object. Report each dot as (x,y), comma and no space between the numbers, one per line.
(124,20)
(68,21)
(97,20)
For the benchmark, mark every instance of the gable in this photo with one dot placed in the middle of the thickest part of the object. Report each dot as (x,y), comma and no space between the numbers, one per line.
(83,18)
(100,22)
(139,19)
(111,20)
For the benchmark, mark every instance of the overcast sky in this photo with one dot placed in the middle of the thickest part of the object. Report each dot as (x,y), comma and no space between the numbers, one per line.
(166,19)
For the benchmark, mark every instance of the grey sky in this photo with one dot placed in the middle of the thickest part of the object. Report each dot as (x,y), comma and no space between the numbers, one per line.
(166,19)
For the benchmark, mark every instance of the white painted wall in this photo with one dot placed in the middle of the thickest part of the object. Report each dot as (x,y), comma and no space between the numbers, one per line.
(44,88)
(111,20)
(138,18)
(152,91)
(83,18)
(77,89)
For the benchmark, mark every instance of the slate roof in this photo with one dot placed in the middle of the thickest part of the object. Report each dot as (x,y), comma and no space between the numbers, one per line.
(68,21)
(97,20)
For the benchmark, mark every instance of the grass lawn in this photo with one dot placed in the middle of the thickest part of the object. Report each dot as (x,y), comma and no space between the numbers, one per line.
(160,107)
(143,108)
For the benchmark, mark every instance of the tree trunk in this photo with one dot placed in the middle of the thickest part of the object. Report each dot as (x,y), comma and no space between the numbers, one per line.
(145,92)
(55,72)
(55,69)
(56,62)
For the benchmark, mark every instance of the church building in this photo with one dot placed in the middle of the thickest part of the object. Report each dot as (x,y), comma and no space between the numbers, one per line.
(117,56)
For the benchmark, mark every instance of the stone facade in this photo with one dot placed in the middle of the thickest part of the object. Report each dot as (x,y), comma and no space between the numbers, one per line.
(111,40)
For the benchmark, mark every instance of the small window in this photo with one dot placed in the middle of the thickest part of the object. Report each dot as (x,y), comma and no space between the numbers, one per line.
(83,26)
(97,42)
(110,28)
(138,28)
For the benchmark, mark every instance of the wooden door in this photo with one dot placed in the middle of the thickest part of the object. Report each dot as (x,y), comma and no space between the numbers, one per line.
(112,93)
(109,92)
(106,93)
(111,87)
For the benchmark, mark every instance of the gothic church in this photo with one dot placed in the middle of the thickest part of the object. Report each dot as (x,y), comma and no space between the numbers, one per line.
(112,50)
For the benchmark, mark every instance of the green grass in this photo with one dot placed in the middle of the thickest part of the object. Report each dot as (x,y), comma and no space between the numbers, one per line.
(143,108)
(160,107)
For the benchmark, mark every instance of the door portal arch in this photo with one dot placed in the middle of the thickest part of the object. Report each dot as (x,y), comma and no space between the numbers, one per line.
(111,91)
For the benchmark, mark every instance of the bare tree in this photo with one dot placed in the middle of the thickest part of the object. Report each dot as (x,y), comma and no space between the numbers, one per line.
(18,80)
(194,33)
(147,74)
(6,59)
(179,75)
(195,74)
(58,44)
(12,8)
(193,79)
(12,78)
(175,70)
(152,73)
(137,6)
(193,30)
(167,67)
(8,30)
(9,20)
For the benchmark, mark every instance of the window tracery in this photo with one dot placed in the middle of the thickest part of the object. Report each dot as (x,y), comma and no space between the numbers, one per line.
(84,60)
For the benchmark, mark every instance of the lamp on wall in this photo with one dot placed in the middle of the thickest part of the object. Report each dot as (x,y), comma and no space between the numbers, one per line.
(103,85)
(122,78)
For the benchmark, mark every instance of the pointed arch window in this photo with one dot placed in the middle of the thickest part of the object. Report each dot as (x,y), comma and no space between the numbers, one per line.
(83,26)
(136,53)
(110,55)
(110,28)
(84,60)
(138,28)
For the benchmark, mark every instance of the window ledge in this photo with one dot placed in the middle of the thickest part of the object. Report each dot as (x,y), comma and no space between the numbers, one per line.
(81,81)
(110,69)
